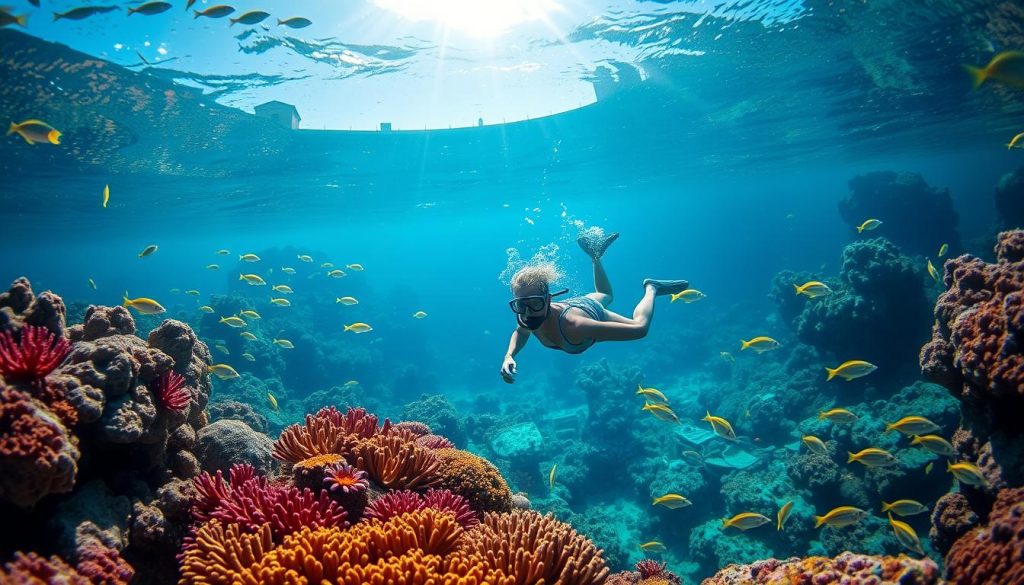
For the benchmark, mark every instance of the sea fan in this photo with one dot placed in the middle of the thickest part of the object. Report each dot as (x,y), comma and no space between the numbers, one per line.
(34,356)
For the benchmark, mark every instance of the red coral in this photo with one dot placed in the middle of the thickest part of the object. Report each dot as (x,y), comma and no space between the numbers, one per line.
(993,553)
(415,427)
(649,568)
(32,569)
(251,501)
(345,478)
(355,421)
(435,442)
(392,504)
(34,356)
(103,565)
(36,455)
(446,501)
(173,393)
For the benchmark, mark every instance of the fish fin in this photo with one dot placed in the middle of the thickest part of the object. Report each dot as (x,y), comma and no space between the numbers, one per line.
(886,507)
(233,21)
(53,136)
(198,14)
(744,345)
(831,373)
(127,302)
(977,75)
(21,20)
(818,521)
(57,16)
(12,129)
(796,288)
(860,229)
(852,457)
(279,22)
(132,11)
(889,427)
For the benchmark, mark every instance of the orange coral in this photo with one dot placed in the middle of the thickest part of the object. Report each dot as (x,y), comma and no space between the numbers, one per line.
(530,547)
(395,463)
(319,436)
(475,479)
(218,553)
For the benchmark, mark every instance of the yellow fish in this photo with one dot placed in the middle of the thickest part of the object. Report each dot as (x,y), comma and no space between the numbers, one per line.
(224,350)
(143,305)
(249,313)
(252,279)
(283,288)
(419,314)
(272,401)
(913,425)
(932,272)
(851,370)
(868,225)
(935,444)
(305,257)
(148,250)
(746,521)
(222,371)
(840,517)
(346,300)
(815,445)
(280,302)
(760,344)
(106,195)
(223,252)
(213,267)
(652,395)
(35,131)
(838,416)
(945,247)
(728,357)
(653,546)
(661,412)
(968,473)
(1006,67)
(551,476)
(350,383)
(92,284)
(671,501)
(904,507)
(288,270)
(192,292)
(249,257)
(249,357)
(928,468)
(233,321)
(336,273)
(873,457)
(206,309)
(690,295)
(284,343)
(784,514)
(355,267)
(721,426)
(327,265)
(248,335)
(906,535)
(812,289)
(358,328)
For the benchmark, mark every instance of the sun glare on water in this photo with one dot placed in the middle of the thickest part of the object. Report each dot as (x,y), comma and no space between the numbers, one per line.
(479,18)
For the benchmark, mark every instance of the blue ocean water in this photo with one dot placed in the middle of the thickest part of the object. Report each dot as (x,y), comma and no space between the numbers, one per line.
(726,164)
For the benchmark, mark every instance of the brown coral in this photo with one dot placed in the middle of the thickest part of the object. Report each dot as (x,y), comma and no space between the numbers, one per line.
(475,479)
(37,455)
(992,553)
(530,547)
(32,569)
(396,463)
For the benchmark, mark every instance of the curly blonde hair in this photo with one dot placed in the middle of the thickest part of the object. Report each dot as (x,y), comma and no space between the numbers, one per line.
(542,274)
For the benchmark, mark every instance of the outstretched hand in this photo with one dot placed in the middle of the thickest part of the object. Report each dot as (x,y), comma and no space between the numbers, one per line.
(508,370)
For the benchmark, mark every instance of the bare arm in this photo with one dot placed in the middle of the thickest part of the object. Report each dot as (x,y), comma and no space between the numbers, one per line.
(508,366)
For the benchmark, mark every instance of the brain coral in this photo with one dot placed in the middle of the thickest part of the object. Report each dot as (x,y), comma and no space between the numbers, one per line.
(473,478)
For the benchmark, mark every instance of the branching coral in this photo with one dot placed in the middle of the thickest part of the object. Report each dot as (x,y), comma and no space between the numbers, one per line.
(218,552)
(34,355)
(530,547)
(434,442)
(393,462)
(172,392)
(475,479)
(32,569)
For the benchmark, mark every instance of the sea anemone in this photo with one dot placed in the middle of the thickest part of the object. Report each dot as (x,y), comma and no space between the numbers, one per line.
(345,478)
(649,568)
(173,393)
(446,501)
(392,504)
(34,356)
(320,435)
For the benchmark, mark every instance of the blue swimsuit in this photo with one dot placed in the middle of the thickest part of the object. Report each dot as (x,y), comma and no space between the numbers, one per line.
(592,309)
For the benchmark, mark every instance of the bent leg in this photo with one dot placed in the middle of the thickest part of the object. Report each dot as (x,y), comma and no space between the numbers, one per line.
(602,286)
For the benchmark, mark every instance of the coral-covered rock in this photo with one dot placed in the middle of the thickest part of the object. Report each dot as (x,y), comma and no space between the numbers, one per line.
(439,415)
(1009,199)
(19,306)
(38,455)
(993,553)
(916,216)
(475,479)
(952,517)
(234,410)
(224,443)
(32,569)
(846,569)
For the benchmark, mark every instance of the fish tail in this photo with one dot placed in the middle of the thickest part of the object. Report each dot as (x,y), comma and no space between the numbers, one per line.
(860,229)
(53,136)
(852,457)
(279,22)
(744,345)
(348,327)
(725,523)
(56,16)
(818,521)
(132,11)
(21,20)
(889,427)
(198,14)
(977,75)
(831,373)
(241,277)
(127,302)
(886,507)
(12,129)
(949,466)
(233,21)
(796,288)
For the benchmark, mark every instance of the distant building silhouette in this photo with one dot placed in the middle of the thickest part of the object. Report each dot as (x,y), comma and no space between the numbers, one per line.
(284,114)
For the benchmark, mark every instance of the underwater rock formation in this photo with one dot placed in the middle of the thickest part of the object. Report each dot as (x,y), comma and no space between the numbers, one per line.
(435,411)
(993,553)
(916,216)
(877,310)
(221,444)
(1009,199)
(847,569)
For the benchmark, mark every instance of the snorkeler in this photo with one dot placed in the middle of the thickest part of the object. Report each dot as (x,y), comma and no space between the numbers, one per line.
(575,324)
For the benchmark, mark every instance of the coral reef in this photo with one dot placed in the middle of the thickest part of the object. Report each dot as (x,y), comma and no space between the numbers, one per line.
(436,412)
(847,568)
(473,478)
(1009,200)
(917,217)
(993,553)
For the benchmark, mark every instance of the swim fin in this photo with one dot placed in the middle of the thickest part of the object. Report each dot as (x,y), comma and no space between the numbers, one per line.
(667,287)
(595,245)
